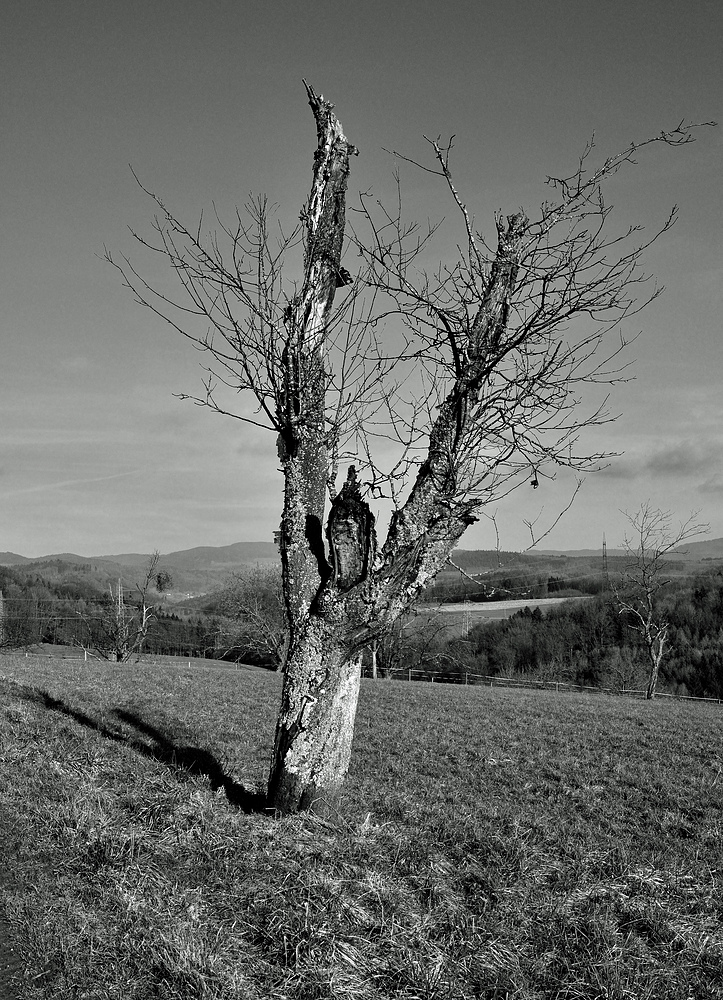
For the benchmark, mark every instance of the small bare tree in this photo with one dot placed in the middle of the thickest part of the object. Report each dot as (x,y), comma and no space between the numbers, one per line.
(121,630)
(468,371)
(253,601)
(418,640)
(638,596)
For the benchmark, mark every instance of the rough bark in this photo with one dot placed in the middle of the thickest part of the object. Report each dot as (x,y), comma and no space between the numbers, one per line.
(316,719)
(656,648)
(315,727)
(316,722)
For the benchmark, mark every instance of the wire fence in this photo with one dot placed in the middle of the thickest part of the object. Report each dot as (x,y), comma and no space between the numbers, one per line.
(464,678)
(79,655)
(495,680)
(163,635)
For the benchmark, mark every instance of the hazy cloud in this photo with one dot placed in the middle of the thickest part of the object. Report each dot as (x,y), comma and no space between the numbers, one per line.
(78,365)
(624,467)
(712,485)
(688,459)
(684,458)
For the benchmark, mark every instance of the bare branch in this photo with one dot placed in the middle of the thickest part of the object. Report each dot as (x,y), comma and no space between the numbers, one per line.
(637,597)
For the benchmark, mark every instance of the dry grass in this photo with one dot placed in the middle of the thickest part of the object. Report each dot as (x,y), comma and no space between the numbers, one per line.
(494,844)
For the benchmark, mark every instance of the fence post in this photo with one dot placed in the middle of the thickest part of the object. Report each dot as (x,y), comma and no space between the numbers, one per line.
(409,674)
(465,678)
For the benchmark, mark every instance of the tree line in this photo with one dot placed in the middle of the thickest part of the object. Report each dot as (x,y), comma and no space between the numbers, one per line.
(588,643)
(111,623)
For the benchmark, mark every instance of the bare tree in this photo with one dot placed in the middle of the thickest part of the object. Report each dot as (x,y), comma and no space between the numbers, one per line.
(253,601)
(638,596)
(418,640)
(121,630)
(467,370)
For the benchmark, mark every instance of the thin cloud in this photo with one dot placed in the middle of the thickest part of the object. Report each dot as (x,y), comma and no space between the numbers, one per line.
(713,485)
(682,459)
(624,468)
(686,458)
(44,487)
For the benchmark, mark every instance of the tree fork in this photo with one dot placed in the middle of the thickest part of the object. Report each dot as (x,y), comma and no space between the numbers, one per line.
(315,728)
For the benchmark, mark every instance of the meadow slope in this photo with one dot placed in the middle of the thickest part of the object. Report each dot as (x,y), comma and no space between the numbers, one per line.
(493,843)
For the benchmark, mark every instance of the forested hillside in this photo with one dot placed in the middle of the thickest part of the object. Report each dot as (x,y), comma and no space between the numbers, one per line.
(66,604)
(588,642)
(591,642)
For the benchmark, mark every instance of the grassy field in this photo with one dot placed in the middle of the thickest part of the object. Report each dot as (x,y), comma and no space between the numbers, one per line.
(494,843)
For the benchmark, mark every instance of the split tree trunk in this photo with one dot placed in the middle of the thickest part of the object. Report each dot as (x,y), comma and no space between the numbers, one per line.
(321,671)
(340,602)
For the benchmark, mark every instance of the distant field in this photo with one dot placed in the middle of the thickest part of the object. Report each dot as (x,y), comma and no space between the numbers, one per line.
(503,609)
(460,616)
(493,843)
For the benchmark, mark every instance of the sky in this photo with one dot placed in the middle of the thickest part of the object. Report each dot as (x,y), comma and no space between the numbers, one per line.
(204,99)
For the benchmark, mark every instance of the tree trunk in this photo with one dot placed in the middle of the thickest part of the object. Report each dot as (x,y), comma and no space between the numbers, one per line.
(653,678)
(316,723)
(656,647)
(321,669)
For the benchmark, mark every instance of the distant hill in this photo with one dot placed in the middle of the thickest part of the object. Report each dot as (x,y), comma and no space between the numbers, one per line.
(223,556)
(206,568)
(707,548)
(12,559)
(580,553)
(195,571)
(201,557)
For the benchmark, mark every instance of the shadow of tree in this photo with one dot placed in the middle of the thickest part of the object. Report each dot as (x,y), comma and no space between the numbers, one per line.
(158,746)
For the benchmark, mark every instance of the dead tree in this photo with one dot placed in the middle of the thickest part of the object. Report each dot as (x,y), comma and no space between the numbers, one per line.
(645,577)
(120,631)
(468,370)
